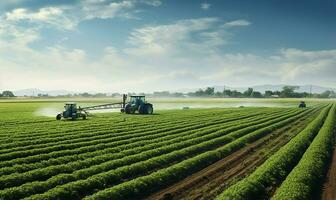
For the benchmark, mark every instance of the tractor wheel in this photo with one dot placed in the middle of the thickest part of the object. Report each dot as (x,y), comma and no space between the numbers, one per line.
(149,109)
(128,109)
(142,108)
(74,116)
(58,117)
(84,117)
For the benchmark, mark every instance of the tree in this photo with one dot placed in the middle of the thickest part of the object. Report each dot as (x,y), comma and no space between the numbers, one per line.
(256,94)
(268,93)
(218,94)
(235,93)
(326,94)
(8,93)
(227,93)
(210,91)
(199,92)
(248,92)
(288,91)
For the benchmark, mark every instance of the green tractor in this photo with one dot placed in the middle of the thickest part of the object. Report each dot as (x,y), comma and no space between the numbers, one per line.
(71,111)
(138,104)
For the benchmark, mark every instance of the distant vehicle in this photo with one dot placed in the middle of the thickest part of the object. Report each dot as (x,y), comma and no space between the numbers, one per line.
(302,104)
(136,104)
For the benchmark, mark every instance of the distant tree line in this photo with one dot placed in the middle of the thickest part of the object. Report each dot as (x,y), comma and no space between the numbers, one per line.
(7,93)
(286,92)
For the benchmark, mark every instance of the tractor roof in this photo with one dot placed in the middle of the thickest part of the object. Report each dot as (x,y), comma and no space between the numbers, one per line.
(70,103)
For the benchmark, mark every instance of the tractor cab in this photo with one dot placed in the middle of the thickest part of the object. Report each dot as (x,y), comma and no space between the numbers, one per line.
(137,100)
(70,109)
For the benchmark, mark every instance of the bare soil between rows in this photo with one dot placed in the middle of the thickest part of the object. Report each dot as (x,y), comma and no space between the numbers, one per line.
(329,187)
(211,181)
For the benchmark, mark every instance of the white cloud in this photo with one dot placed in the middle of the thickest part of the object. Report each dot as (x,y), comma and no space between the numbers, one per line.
(67,17)
(176,38)
(49,16)
(240,22)
(155,3)
(99,9)
(43,14)
(205,6)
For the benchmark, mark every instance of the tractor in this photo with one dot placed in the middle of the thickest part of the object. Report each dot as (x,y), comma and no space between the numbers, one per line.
(138,104)
(71,111)
(302,104)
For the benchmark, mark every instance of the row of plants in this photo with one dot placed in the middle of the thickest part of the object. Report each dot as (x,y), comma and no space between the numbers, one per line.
(308,174)
(96,145)
(89,136)
(142,186)
(276,168)
(139,145)
(73,189)
(82,132)
(201,135)
(50,127)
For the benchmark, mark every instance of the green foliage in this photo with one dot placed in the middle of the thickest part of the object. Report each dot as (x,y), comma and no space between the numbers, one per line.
(276,168)
(118,156)
(7,93)
(308,174)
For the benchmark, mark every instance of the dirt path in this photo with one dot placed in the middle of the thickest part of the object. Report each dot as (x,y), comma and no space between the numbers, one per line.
(329,187)
(211,181)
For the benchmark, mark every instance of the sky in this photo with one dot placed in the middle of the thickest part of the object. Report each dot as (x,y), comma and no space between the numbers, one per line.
(156,45)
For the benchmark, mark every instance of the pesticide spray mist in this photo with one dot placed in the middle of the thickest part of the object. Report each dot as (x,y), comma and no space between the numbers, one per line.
(47,112)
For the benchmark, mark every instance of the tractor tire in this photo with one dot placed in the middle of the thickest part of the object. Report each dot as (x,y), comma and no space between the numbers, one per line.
(128,109)
(84,117)
(142,109)
(58,117)
(149,109)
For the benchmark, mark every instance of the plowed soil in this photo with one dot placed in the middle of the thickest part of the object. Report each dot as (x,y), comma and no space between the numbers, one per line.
(211,181)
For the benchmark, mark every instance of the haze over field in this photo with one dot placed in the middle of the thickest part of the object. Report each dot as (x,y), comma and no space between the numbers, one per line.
(150,45)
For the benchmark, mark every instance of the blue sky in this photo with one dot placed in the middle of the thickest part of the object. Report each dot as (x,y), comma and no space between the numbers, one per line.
(146,45)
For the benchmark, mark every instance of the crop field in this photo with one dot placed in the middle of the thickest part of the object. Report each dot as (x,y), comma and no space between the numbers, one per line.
(214,153)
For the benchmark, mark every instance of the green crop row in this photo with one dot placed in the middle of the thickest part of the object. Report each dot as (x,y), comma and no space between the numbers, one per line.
(93,131)
(21,149)
(112,177)
(138,145)
(101,144)
(276,168)
(52,128)
(201,135)
(303,182)
(100,132)
(31,188)
(144,185)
